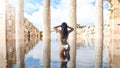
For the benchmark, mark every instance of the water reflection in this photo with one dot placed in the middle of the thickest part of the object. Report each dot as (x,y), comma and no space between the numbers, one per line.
(46,50)
(85,41)
(11,53)
(64,57)
(114,53)
(15,57)
(46,56)
(114,61)
(63,61)
(72,62)
(31,55)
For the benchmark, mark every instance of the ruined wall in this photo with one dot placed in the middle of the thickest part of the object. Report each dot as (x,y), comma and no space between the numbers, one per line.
(31,34)
(114,46)
(115,16)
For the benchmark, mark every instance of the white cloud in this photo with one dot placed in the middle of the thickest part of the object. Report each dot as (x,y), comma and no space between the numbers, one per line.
(85,1)
(60,13)
(86,14)
(31,6)
(36,18)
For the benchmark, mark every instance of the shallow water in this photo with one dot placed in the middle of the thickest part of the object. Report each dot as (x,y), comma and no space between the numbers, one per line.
(33,55)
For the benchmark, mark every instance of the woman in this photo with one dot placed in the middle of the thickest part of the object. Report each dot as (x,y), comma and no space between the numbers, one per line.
(64,45)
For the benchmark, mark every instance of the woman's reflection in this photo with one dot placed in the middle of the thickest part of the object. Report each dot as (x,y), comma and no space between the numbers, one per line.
(64,57)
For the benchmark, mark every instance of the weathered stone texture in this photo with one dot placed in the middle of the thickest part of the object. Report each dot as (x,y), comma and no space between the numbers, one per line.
(115,16)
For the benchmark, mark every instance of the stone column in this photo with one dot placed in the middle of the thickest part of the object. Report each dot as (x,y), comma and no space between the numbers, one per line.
(46,33)
(3,34)
(72,36)
(99,34)
(72,23)
(19,32)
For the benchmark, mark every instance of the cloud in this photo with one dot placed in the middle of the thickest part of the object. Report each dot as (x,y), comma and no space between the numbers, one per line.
(30,8)
(36,18)
(60,13)
(86,14)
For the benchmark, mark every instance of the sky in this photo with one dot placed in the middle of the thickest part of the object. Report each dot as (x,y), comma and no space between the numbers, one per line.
(33,11)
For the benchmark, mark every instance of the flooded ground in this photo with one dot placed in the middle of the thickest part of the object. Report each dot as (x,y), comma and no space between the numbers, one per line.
(31,55)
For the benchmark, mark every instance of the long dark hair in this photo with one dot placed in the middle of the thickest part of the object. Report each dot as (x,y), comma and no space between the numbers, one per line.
(64,29)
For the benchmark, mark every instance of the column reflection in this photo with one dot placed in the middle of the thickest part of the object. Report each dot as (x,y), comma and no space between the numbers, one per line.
(114,52)
(72,62)
(11,53)
(20,55)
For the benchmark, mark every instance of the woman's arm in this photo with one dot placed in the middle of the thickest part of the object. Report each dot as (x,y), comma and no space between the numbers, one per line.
(71,29)
(56,28)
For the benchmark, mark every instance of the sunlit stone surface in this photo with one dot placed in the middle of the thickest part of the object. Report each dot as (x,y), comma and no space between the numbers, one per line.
(72,23)
(115,16)
(3,34)
(99,34)
(46,34)
(72,36)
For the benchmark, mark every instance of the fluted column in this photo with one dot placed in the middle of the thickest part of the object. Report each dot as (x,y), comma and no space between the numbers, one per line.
(19,32)
(46,33)
(72,37)
(99,34)
(3,34)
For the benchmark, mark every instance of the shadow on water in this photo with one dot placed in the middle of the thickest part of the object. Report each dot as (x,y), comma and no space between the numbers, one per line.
(32,54)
